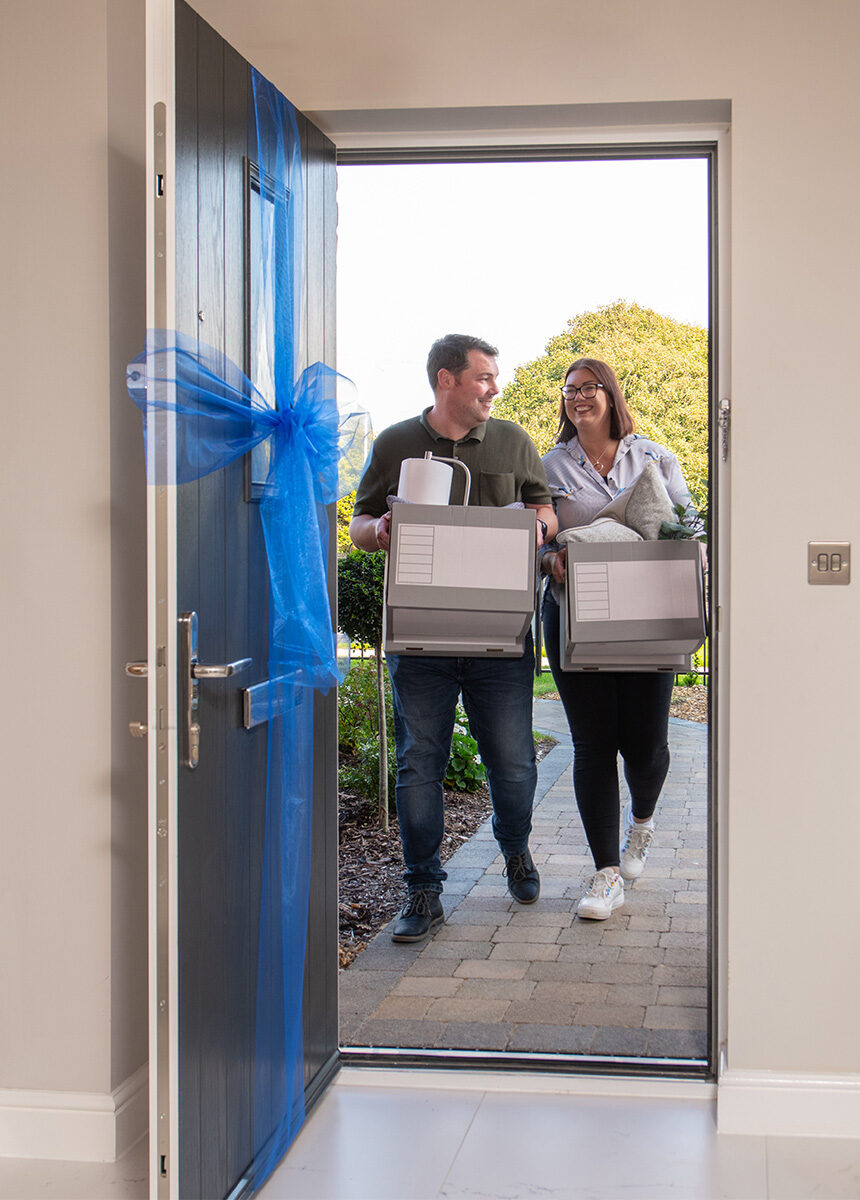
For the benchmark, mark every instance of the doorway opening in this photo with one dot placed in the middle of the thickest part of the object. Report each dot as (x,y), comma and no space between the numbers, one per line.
(529,248)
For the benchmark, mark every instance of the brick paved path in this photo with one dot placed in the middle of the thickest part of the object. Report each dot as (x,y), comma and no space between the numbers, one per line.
(501,976)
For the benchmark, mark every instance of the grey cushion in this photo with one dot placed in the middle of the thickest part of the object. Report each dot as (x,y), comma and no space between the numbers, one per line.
(600,530)
(644,506)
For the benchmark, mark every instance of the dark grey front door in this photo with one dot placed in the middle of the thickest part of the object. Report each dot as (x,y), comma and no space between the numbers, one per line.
(211,817)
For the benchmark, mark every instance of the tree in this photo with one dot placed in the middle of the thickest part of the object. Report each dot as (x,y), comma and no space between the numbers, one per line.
(344,515)
(662,366)
(361,586)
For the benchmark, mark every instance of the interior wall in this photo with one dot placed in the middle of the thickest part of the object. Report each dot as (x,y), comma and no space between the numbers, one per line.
(72,854)
(788,69)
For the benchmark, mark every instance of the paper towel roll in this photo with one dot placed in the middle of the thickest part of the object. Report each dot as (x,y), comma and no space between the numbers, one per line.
(425,481)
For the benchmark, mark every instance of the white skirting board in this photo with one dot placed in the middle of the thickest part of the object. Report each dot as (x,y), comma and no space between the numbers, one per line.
(74,1126)
(771,1104)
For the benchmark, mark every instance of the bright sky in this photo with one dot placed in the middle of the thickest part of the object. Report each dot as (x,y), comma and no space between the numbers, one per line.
(508,252)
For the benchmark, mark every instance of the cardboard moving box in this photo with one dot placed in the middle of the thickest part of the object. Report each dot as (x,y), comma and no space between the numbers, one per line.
(459,581)
(632,606)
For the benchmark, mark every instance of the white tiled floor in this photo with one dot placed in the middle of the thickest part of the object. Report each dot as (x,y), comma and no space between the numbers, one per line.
(396,1143)
(370,1142)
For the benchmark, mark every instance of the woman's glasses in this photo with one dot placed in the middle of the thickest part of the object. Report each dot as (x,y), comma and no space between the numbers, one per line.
(588,391)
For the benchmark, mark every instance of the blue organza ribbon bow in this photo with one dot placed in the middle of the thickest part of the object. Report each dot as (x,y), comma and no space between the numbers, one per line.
(218,416)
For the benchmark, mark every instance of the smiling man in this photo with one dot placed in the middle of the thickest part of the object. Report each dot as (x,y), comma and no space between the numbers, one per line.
(497,693)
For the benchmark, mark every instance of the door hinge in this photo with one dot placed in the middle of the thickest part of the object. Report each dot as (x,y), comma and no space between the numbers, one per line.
(724,422)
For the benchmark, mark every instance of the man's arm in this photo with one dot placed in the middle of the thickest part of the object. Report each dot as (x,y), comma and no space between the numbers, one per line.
(545,513)
(370,533)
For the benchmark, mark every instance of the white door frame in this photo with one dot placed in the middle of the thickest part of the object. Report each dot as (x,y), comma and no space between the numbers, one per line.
(606,126)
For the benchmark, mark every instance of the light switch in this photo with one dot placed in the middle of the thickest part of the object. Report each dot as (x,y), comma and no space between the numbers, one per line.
(829,562)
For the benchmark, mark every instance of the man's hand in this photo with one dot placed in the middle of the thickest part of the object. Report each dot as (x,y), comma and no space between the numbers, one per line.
(371,533)
(544,515)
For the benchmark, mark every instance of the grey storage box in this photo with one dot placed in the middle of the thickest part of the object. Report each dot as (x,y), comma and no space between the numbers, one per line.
(632,606)
(459,581)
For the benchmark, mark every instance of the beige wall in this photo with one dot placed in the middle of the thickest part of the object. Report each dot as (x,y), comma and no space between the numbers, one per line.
(789,69)
(72,851)
(71,854)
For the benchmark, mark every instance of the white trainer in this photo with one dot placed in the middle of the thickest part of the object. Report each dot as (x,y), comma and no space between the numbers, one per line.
(605,894)
(634,845)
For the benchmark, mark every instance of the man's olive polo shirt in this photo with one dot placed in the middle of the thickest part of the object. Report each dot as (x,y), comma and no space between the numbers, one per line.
(501,457)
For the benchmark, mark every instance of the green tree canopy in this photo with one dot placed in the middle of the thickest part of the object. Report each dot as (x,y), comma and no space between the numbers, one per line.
(662,366)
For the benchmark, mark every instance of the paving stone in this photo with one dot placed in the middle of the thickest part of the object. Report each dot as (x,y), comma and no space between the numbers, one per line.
(690,924)
(582,952)
(402,1008)
(631,937)
(685,956)
(536,916)
(630,1016)
(678,1043)
(525,951)
(491,968)
(669,976)
(433,967)
(405,1034)
(535,936)
(465,933)
(664,1016)
(652,955)
(686,996)
(570,972)
(570,992)
(691,897)
(661,924)
(682,941)
(426,985)
(618,972)
(458,950)
(551,1039)
(616,1040)
(540,1012)
(481,916)
(455,1008)
(387,956)
(632,993)
(473,1035)
(496,989)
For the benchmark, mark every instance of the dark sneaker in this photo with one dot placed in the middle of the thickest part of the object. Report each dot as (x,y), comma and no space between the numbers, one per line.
(523,878)
(421,913)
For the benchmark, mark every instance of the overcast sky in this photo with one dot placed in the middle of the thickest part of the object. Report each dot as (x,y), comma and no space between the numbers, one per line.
(507,251)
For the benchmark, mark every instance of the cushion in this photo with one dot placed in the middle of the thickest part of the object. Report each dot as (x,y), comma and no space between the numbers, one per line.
(600,530)
(644,506)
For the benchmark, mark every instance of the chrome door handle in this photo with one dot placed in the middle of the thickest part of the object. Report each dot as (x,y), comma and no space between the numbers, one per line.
(220,671)
(190,671)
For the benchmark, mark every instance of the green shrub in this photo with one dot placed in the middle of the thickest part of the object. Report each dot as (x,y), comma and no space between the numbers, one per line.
(465,770)
(359,744)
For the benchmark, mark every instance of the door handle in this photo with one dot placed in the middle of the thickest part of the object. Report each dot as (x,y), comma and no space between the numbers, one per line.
(190,671)
(222,670)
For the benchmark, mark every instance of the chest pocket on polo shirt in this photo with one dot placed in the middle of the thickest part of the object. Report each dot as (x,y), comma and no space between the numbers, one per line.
(495,491)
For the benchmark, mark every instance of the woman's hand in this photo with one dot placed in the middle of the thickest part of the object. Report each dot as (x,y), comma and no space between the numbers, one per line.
(553,564)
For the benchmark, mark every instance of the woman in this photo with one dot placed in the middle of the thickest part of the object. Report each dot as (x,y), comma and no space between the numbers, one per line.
(596,456)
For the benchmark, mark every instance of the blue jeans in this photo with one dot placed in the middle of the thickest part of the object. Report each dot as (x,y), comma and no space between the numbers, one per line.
(497,696)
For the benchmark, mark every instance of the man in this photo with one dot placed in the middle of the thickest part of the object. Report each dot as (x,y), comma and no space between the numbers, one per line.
(497,693)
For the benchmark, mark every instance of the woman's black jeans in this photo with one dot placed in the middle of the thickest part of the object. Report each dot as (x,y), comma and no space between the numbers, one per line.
(611,712)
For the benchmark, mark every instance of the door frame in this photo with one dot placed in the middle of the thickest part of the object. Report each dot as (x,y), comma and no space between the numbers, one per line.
(583,132)
(161,538)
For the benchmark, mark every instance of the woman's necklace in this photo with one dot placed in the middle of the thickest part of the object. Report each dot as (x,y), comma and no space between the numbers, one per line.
(597,463)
